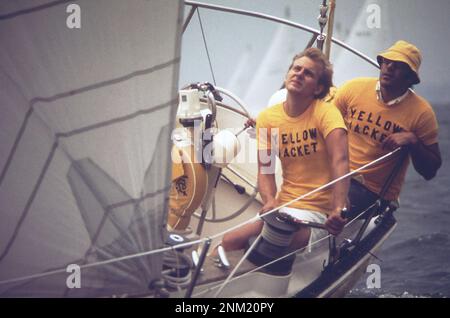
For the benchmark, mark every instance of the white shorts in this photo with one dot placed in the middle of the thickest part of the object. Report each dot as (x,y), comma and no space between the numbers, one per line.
(312,216)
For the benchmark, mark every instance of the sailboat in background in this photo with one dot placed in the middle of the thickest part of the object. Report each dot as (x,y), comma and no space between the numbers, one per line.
(270,74)
(377,27)
(257,87)
(368,36)
(238,82)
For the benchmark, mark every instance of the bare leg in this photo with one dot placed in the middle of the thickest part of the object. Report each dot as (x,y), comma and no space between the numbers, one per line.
(238,239)
(301,238)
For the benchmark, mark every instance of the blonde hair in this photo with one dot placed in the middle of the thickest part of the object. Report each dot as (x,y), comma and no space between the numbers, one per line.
(326,76)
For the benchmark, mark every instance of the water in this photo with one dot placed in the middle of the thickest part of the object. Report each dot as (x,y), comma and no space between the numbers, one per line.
(415,260)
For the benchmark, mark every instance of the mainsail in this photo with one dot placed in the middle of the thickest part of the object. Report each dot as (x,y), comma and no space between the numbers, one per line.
(85,124)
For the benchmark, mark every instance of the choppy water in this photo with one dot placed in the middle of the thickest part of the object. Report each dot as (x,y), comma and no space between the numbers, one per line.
(415,260)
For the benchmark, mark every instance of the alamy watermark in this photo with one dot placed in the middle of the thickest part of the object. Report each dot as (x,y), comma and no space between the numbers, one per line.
(373,20)
(73,20)
(209,148)
(374,279)
(74,279)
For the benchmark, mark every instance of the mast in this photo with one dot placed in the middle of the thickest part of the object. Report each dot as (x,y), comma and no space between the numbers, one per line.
(332,5)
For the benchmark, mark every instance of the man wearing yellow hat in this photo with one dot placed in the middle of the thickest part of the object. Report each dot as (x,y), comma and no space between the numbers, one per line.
(385,113)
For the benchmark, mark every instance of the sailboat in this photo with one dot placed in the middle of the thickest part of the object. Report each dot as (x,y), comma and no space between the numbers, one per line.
(87,133)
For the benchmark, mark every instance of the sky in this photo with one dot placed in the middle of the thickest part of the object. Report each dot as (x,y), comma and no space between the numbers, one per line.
(237,45)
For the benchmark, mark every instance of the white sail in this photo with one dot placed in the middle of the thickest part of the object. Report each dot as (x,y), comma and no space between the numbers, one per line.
(241,76)
(270,75)
(369,34)
(84,141)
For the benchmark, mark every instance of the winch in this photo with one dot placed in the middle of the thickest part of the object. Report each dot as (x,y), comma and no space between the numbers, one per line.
(276,236)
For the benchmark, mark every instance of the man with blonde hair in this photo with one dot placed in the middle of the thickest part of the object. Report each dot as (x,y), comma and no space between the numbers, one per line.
(309,136)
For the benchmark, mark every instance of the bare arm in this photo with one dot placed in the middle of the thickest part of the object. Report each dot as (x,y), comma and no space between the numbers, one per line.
(337,148)
(426,159)
(266,179)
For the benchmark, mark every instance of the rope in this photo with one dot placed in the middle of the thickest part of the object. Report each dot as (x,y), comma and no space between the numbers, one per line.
(316,190)
(237,266)
(177,262)
(364,226)
(300,250)
(187,244)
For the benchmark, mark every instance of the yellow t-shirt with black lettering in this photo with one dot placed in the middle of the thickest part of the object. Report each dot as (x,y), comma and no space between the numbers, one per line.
(300,144)
(370,121)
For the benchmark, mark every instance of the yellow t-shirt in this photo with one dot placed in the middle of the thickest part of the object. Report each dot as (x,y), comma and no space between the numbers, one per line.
(302,151)
(370,121)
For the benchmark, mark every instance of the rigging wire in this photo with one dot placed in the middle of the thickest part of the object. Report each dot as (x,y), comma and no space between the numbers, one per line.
(177,261)
(206,46)
(300,250)
(243,258)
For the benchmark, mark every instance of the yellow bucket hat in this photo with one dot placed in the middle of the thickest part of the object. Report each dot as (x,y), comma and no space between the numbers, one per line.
(405,52)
